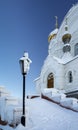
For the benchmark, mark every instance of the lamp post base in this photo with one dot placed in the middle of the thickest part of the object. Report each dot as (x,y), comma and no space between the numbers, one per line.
(23,120)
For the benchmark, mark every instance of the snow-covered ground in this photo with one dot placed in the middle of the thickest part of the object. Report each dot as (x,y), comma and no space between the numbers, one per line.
(46,115)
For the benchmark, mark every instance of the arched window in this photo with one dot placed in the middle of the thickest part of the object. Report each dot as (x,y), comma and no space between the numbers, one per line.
(70,77)
(50,81)
(76,49)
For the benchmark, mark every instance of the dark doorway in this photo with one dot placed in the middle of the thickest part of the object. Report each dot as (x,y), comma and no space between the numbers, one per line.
(50,81)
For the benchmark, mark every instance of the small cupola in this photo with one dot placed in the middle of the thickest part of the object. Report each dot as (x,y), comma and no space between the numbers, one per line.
(66,39)
(67,36)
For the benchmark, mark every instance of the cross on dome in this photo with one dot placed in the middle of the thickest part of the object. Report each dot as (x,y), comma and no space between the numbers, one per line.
(56,18)
(53,34)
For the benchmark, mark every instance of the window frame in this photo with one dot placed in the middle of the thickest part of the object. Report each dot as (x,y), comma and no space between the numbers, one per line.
(70,77)
(76,49)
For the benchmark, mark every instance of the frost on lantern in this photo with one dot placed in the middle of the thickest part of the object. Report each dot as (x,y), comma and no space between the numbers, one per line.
(25,63)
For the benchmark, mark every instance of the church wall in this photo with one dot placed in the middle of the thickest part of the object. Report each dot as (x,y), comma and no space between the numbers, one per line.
(55,48)
(73,42)
(73,67)
(52,66)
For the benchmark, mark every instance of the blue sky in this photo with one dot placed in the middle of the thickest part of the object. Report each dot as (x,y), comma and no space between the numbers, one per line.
(25,26)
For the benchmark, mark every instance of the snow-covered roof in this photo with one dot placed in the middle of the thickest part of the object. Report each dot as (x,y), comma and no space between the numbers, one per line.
(37,79)
(55,31)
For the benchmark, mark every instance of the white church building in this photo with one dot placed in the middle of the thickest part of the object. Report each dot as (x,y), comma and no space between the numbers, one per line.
(60,68)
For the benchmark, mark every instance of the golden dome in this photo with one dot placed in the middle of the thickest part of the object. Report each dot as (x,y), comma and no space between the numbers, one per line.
(66,38)
(52,35)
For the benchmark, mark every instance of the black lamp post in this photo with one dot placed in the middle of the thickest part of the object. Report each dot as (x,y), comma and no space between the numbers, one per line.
(24,64)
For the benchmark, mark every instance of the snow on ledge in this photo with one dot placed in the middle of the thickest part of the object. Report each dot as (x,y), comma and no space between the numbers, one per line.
(60,98)
(68,102)
(47,90)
